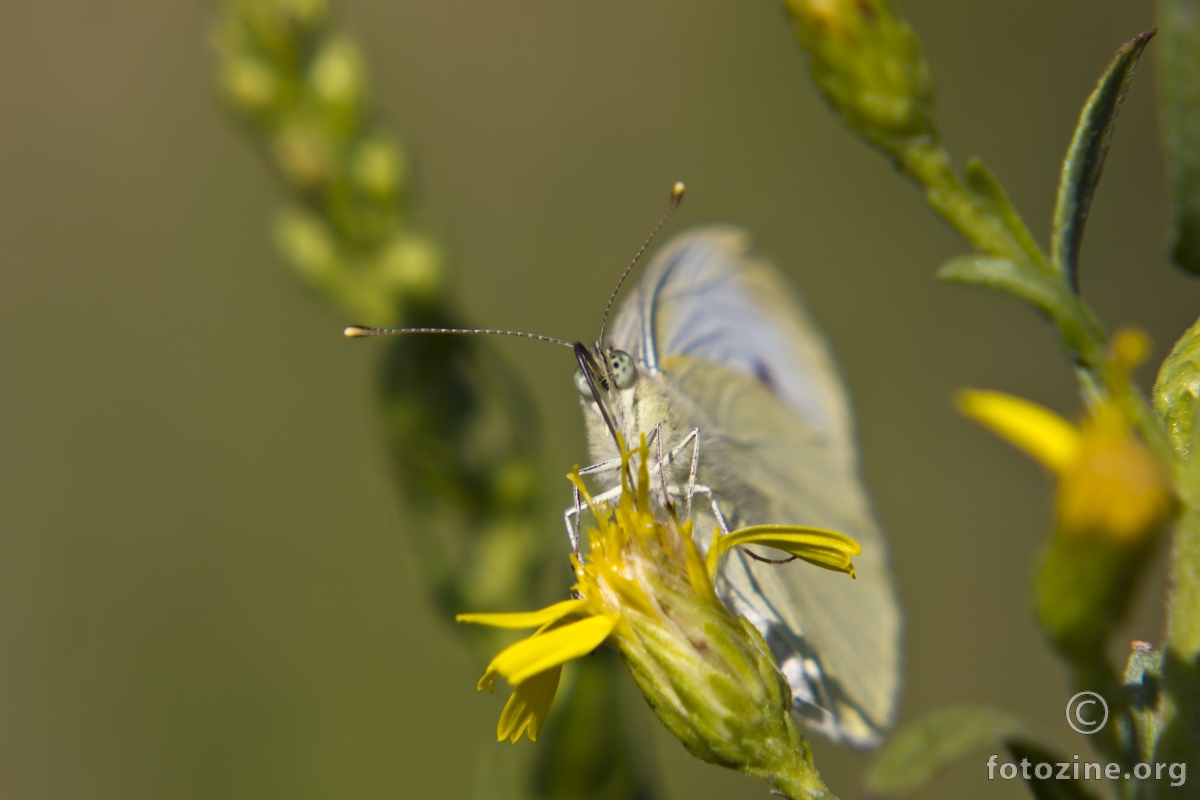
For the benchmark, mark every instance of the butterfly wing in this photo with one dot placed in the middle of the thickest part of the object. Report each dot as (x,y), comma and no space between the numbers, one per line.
(720,327)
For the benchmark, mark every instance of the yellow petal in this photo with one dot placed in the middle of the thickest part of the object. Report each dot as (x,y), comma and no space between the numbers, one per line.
(1116,490)
(528,706)
(528,657)
(823,548)
(488,681)
(1129,348)
(697,571)
(525,619)
(1038,431)
(601,513)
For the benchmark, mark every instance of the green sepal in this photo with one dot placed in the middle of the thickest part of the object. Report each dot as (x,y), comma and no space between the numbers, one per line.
(1084,587)
(1084,162)
(1177,389)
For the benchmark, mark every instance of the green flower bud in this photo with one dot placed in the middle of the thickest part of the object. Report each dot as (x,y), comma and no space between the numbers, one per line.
(305,156)
(338,80)
(249,85)
(279,25)
(645,589)
(710,678)
(377,168)
(411,267)
(868,63)
(309,245)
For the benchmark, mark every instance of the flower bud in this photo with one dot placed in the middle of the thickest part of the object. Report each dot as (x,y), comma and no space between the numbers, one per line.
(710,678)
(867,62)
(707,674)
(411,267)
(377,168)
(338,79)
(309,245)
(1113,499)
(1111,505)
(249,85)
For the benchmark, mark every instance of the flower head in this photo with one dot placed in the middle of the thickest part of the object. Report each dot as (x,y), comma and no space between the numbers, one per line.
(1109,485)
(1113,498)
(644,588)
(868,63)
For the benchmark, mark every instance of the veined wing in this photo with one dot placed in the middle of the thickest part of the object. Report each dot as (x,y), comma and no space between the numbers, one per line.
(721,328)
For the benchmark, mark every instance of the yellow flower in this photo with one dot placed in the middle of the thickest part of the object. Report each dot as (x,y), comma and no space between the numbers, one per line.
(644,588)
(1109,485)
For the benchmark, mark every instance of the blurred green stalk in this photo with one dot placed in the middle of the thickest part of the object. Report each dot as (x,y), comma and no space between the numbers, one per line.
(460,426)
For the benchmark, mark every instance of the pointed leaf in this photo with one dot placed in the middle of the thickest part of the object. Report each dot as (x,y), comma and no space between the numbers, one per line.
(1085,158)
(926,747)
(922,749)
(986,189)
(1037,288)
(1178,62)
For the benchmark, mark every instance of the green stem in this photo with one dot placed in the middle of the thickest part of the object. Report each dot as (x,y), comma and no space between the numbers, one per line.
(1183,621)
(800,782)
(1179,713)
(928,163)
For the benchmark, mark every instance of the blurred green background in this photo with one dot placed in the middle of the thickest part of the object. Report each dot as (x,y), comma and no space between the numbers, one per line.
(205,589)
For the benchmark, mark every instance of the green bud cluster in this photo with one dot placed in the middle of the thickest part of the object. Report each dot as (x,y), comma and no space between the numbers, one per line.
(303,87)
(867,61)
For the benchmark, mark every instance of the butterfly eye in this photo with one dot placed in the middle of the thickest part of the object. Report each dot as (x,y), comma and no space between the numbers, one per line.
(623,370)
(581,384)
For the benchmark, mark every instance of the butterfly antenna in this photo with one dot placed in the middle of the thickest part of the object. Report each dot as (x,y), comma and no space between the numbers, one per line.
(360,331)
(676,196)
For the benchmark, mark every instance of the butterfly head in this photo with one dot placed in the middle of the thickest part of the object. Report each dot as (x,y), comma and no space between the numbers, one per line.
(604,374)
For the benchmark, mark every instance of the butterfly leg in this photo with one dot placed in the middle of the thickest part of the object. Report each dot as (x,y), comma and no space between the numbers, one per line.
(571,515)
(700,488)
(573,527)
(656,434)
(693,438)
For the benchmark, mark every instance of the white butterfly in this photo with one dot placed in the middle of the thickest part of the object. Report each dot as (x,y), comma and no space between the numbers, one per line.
(712,351)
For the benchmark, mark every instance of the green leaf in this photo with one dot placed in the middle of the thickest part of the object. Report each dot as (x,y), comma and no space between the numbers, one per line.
(1177,388)
(1085,157)
(1018,280)
(920,750)
(1178,62)
(926,747)
(987,190)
